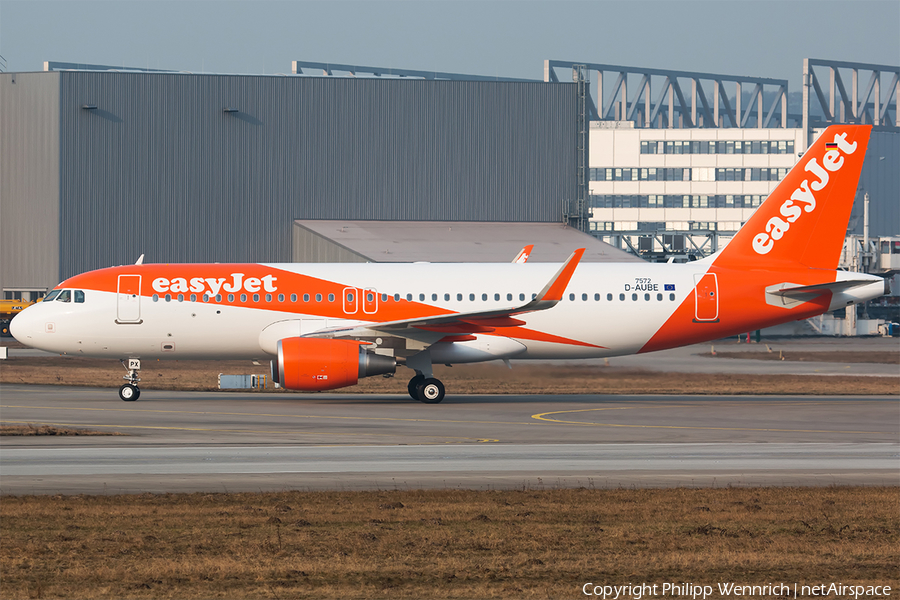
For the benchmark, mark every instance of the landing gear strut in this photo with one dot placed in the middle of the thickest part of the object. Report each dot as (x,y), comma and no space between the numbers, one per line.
(129,392)
(426,389)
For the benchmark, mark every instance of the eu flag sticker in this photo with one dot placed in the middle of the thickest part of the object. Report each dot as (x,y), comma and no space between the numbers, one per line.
(669,287)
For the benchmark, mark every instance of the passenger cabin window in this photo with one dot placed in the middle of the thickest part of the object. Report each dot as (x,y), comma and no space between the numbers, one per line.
(318,297)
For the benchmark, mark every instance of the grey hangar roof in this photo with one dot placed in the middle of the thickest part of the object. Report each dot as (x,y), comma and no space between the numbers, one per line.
(444,241)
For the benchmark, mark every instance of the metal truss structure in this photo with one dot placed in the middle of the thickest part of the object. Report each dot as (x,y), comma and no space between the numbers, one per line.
(665,245)
(683,99)
(330,69)
(50,65)
(874,103)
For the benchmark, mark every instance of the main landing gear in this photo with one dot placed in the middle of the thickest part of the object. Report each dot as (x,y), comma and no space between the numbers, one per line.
(129,392)
(426,389)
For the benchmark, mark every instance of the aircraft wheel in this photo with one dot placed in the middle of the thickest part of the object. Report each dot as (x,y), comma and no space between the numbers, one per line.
(129,393)
(413,386)
(431,391)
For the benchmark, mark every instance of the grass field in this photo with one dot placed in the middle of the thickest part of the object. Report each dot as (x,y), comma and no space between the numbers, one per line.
(442,544)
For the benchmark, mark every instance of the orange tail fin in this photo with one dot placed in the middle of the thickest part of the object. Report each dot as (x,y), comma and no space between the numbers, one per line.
(804,220)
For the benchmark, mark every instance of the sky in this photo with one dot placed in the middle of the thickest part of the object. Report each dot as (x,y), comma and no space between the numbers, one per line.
(757,38)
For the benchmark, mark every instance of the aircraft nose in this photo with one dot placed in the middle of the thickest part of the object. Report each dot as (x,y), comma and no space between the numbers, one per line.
(25,326)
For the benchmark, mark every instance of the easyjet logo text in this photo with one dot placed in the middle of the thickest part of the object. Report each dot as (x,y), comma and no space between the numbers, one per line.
(211,285)
(803,199)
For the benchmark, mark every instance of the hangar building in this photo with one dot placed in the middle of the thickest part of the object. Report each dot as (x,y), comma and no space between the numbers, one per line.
(100,167)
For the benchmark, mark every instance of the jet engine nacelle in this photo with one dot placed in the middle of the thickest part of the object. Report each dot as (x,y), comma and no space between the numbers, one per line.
(315,364)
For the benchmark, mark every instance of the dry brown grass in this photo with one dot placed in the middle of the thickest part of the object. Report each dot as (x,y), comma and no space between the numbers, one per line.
(456,544)
(882,358)
(29,429)
(461,379)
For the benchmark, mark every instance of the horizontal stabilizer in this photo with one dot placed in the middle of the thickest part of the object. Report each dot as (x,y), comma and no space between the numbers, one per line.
(802,292)
(789,295)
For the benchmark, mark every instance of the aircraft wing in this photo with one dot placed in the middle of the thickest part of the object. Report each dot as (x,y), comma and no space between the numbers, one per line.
(434,328)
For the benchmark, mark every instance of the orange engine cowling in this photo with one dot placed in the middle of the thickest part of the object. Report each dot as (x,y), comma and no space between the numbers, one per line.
(315,364)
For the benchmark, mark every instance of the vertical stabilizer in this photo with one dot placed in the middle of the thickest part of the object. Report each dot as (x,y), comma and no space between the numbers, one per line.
(804,220)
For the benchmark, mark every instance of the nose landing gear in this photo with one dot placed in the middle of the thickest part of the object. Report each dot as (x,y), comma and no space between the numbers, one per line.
(129,392)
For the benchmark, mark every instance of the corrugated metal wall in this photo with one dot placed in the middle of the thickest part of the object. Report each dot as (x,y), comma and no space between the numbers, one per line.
(29,180)
(881,179)
(159,168)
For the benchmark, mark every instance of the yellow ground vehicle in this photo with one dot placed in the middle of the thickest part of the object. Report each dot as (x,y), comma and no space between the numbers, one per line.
(9,309)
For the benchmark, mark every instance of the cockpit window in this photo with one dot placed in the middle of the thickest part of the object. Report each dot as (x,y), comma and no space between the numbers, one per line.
(64,296)
(52,296)
(79,296)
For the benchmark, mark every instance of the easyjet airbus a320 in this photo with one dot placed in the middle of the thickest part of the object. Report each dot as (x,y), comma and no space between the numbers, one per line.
(324,326)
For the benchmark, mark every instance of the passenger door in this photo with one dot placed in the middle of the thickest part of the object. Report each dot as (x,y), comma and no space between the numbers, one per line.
(706,297)
(128,299)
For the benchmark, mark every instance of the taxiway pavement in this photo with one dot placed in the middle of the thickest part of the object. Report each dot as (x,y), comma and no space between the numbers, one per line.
(201,441)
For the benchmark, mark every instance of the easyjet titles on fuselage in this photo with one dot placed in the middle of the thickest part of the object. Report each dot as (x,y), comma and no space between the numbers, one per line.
(211,285)
(777,227)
